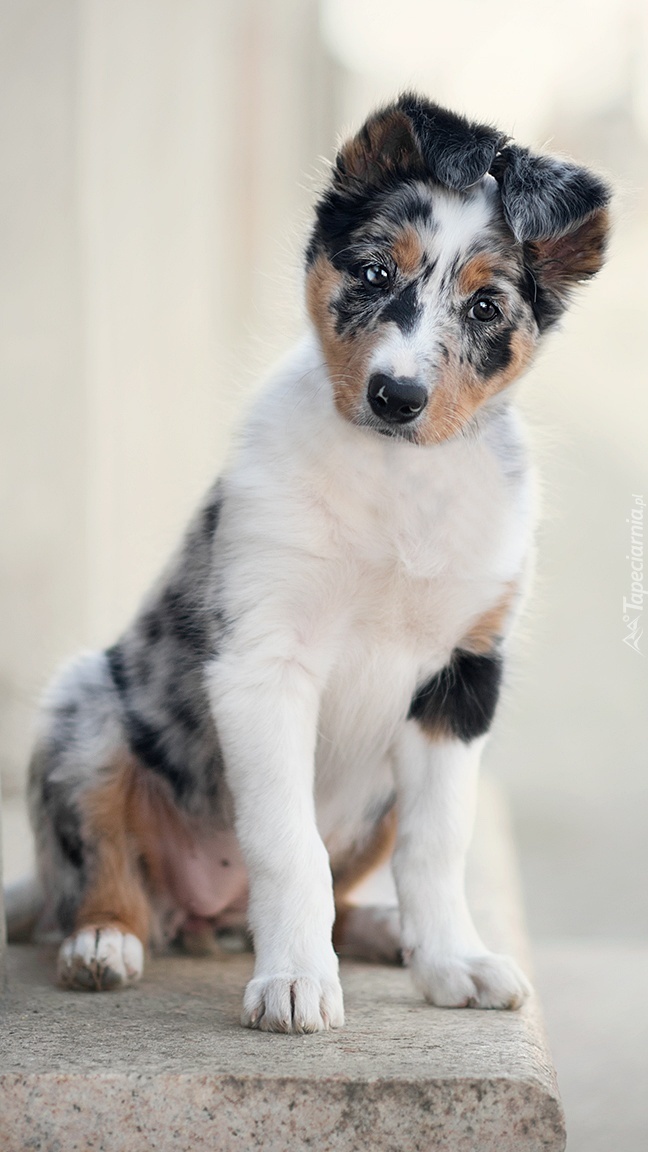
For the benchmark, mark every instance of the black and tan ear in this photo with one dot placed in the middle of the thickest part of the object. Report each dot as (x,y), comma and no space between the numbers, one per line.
(384,147)
(456,152)
(559,212)
(414,137)
(411,139)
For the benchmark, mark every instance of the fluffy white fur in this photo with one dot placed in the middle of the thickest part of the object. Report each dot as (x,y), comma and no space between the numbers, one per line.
(349,567)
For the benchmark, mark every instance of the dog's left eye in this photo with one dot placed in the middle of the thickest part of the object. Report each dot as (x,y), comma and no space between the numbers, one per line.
(376,276)
(484,310)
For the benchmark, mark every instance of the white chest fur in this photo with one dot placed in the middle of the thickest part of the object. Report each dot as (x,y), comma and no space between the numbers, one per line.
(367,559)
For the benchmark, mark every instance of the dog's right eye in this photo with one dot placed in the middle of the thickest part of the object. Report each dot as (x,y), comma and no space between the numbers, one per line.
(376,276)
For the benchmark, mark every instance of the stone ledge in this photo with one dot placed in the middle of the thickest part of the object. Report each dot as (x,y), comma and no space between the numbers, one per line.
(167,1066)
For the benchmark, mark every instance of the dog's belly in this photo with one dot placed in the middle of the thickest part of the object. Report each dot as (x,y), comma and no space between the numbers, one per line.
(205,874)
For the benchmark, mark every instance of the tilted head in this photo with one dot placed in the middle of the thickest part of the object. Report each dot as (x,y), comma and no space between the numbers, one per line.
(441,254)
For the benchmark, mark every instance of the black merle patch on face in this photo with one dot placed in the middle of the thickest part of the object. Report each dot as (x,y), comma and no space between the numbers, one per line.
(546,306)
(461,699)
(498,352)
(403,309)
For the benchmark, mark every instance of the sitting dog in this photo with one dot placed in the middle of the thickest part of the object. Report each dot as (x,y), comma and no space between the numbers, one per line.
(307,690)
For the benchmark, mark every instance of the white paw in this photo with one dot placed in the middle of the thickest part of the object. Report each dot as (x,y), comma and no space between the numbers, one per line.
(484,980)
(293,1004)
(99,959)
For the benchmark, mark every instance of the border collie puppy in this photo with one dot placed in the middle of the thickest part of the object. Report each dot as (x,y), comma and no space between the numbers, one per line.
(308,688)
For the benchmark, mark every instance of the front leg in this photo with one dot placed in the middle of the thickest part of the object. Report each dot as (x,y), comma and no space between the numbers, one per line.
(436,765)
(266,714)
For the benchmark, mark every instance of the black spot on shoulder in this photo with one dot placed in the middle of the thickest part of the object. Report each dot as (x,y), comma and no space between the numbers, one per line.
(461,699)
(404,309)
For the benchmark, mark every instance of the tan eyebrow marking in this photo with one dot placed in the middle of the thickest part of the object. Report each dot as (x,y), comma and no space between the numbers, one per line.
(407,250)
(477,273)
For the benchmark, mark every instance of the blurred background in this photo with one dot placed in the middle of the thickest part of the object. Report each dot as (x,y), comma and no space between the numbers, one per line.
(159,162)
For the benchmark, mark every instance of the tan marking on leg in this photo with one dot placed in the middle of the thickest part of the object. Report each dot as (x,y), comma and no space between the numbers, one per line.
(488,630)
(128,819)
(348,874)
(115,893)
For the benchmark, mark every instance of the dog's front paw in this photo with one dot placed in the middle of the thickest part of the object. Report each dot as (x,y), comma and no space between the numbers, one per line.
(100,959)
(286,1003)
(484,980)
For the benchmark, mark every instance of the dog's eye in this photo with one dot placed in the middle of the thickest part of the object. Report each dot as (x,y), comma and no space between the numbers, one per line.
(484,310)
(376,276)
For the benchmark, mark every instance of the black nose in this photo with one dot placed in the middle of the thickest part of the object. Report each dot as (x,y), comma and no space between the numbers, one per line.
(396,399)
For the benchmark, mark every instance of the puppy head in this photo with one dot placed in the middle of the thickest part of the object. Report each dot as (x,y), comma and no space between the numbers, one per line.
(440,256)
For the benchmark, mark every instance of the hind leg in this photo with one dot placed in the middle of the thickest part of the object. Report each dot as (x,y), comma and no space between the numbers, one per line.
(367,920)
(106,950)
(80,792)
(368,932)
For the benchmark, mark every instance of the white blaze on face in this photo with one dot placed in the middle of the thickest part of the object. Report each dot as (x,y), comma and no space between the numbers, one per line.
(458,222)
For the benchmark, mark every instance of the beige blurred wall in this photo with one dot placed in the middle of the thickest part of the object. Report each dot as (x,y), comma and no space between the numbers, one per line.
(158,159)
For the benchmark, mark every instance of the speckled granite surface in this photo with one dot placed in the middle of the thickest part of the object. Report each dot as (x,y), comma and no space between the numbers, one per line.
(167,1066)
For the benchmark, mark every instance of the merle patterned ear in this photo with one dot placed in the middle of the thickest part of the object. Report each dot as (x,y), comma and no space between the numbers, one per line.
(558,211)
(456,152)
(544,197)
(416,138)
(384,147)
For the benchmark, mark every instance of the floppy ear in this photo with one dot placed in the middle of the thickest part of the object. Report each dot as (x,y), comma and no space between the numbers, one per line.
(415,137)
(558,211)
(544,197)
(456,152)
(384,147)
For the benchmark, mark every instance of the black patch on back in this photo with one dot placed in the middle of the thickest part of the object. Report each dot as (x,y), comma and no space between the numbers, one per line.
(404,309)
(461,698)
(184,620)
